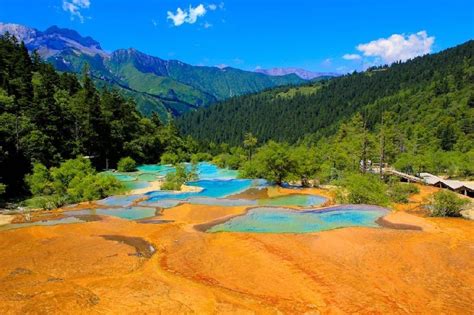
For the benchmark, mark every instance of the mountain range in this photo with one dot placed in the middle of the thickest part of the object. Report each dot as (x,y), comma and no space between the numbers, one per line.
(302,73)
(157,85)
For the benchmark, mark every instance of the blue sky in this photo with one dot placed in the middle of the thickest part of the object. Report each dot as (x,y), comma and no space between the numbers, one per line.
(330,35)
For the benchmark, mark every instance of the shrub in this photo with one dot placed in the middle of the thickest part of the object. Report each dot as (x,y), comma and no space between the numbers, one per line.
(46,202)
(200,157)
(271,162)
(73,181)
(219,160)
(68,171)
(233,161)
(327,173)
(170,158)
(174,180)
(93,187)
(400,192)
(306,165)
(171,182)
(107,185)
(362,189)
(40,182)
(227,160)
(446,204)
(127,164)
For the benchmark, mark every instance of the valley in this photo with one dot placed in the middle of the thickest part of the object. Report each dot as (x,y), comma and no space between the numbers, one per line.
(157,85)
(236,158)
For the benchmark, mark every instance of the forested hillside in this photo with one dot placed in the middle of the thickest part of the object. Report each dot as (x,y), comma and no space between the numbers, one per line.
(47,117)
(161,85)
(430,98)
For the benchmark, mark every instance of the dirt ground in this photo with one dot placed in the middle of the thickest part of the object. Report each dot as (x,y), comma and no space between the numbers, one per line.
(114,266)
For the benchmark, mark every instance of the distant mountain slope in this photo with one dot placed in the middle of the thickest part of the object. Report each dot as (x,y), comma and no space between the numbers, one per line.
(426,91)
(302,73)
(157,85)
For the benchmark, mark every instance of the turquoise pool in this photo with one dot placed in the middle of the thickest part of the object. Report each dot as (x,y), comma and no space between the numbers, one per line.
(123,177)
(220,188)
(148,173)
(284,220)
(136,185)
(120,201)
(299,200)
(155,168)
(270,215)
(212,191)
(204,170)
(211,171)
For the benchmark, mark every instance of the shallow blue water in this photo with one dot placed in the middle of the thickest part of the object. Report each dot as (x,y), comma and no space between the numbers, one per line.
(128,213)
(217,185)
(221,188)
(283,220)
(166,194)
(120,201)
(204,170)
(216,182)
(300,200)
(155,168)
(136,185)
(123,177)
(211,189)
(211,171)
(221,202)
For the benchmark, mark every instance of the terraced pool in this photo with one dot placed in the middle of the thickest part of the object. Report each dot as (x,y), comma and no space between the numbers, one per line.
(300,200)
(221,187)
(284,220)
(153,172)
(128,213)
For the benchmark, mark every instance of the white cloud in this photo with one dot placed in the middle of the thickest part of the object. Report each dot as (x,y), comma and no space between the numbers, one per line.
(222,66)
(215,6)
(154,22)
(74,8)
(179,18)
(398,47)
(196,12)
(351,57)
(189,16)
(207,25)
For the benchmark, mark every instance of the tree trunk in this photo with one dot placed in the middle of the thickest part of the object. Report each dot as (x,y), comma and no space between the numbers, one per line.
(304,181)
